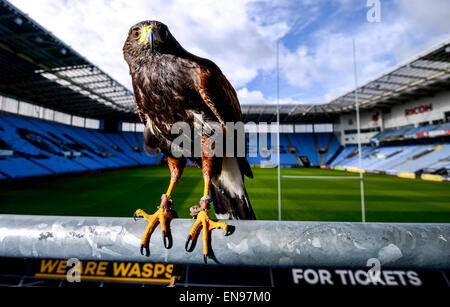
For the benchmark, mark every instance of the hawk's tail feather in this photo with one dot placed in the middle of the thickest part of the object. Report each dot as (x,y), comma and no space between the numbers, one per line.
(228,193)
(227,207)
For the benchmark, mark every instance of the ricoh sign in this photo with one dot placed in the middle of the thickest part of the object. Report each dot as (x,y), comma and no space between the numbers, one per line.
(419,110)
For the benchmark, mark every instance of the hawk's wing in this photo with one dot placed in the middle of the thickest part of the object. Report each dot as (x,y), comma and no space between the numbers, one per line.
(217,93)
(137,97)
(221,98)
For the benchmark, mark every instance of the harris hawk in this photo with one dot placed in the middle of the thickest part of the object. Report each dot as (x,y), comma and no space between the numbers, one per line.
(172,85)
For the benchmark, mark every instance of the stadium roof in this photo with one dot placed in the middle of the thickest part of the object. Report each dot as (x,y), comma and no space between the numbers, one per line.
(425,75)
(39,68)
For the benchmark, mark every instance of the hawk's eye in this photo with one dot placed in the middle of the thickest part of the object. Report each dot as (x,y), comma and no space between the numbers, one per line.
(136,33)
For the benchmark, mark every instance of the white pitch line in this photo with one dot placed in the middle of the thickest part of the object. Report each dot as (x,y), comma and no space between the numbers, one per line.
(321,177)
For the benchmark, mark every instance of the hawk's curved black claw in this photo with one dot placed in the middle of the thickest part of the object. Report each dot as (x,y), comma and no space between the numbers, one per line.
(230,230)
(205,258)
(166,240)
(147,250)
(227,231)
(136,217)
(186,246)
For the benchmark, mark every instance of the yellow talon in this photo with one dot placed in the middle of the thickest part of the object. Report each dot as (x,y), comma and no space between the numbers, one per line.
(160,216)
(207,225)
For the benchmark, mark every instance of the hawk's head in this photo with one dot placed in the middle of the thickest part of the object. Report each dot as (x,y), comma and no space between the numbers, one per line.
(148,37)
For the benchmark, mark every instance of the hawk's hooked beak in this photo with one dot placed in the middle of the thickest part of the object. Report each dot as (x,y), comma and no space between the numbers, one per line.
(150,36)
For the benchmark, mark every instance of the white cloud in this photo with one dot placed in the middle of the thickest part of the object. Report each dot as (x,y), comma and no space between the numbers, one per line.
(327,63)
(220,31)
(251,97)
(432,14)
(256,97)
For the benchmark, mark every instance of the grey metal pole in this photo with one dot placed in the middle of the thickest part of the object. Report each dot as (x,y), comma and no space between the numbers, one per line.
(253,243)
(278,132)
(358,127)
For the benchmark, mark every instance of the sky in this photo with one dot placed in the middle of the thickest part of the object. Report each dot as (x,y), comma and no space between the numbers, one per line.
(240,36)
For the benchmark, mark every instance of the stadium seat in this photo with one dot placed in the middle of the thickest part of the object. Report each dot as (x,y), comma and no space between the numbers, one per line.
(444,127)
(425,160)
(44,148)
(21,167)
(40,147)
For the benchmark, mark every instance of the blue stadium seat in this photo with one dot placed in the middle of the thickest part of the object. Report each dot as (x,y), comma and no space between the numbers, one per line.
(339,160)
(21,167)
(394,159)
(444,127)
(45,148)
(306,146)
(323,139)
(425,160)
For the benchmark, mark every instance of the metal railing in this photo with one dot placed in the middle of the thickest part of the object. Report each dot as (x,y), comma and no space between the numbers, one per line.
(253,243)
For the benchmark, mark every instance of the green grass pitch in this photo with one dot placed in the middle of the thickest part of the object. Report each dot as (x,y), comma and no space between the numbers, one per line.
(120,193)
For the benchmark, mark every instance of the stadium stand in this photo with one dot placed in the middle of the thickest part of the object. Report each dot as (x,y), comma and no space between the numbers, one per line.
(422,129)
(21,167)
(47,148)
(345,154)
(426,158)
(33,147)
(317,147)
(396,159)
(411,132)
(305,144)
(252,150)
(331,145)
